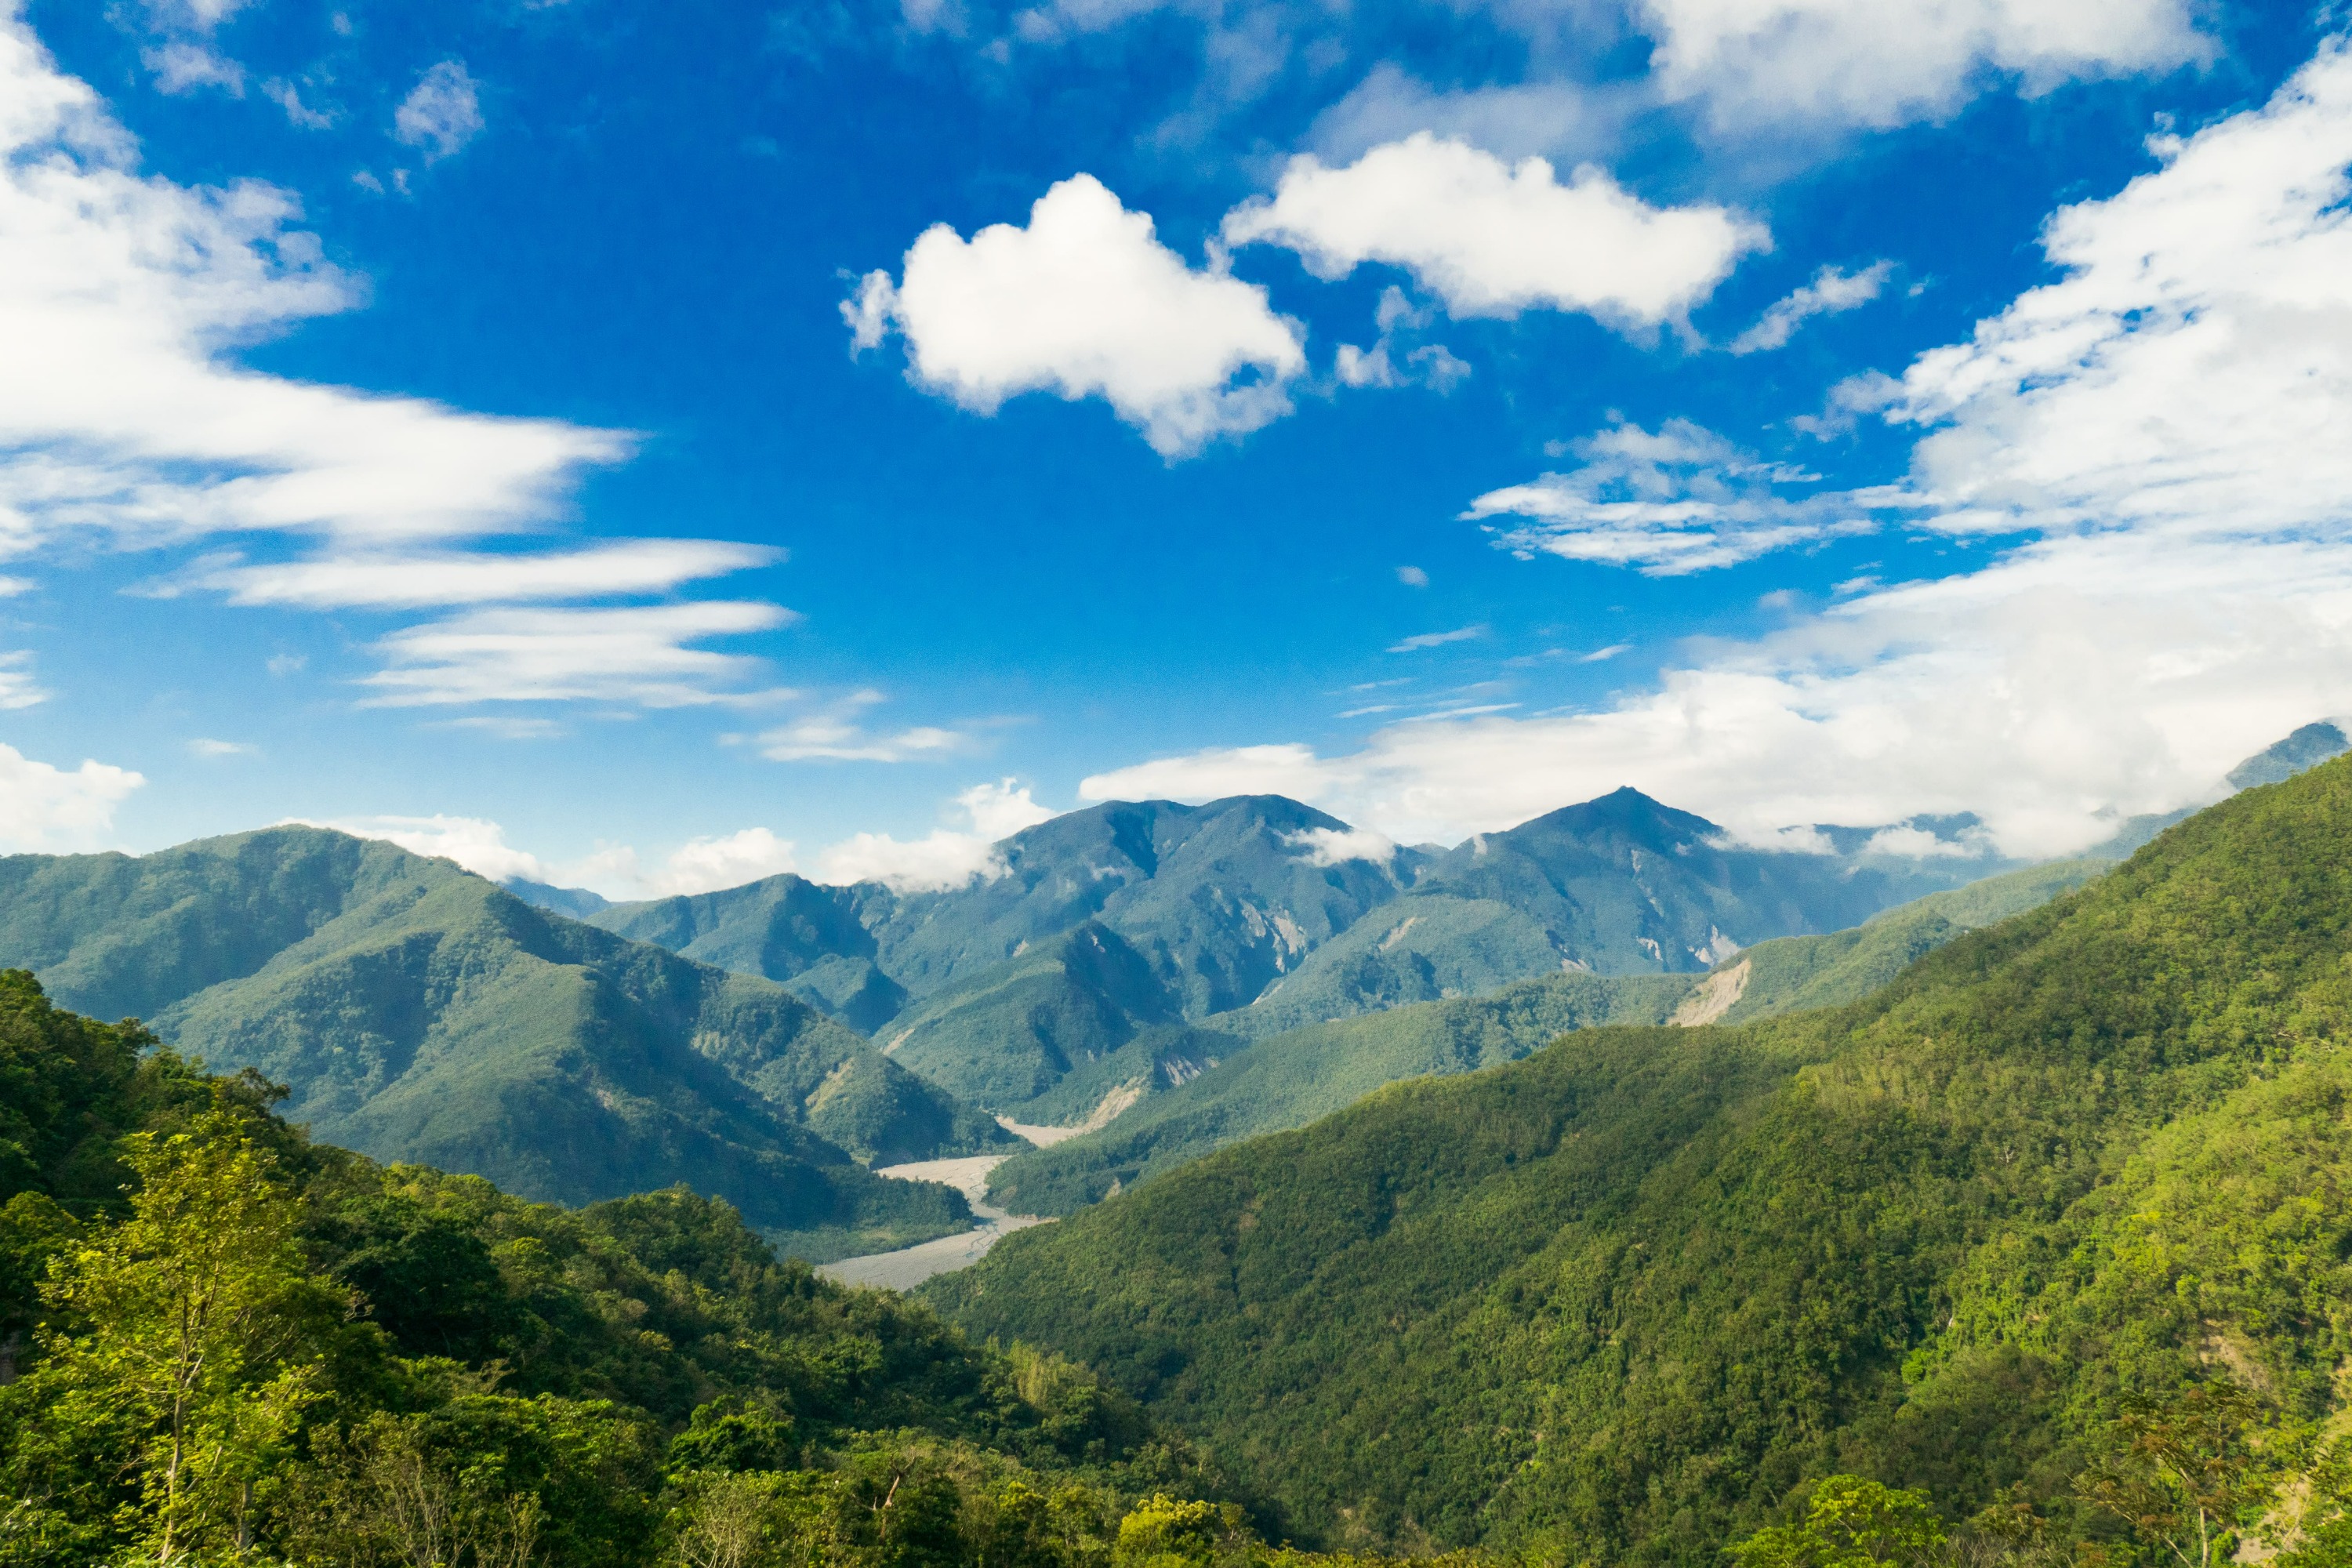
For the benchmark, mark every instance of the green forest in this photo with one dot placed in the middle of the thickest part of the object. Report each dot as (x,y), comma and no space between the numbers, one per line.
(1633,1298)
(222,1341)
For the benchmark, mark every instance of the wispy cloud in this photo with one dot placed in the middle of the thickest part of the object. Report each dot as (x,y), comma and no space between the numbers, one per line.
(124,415)
(442,113)
(1423,640)
(207,748)
(638,654)
(1677,499)
(425,578)
(1830,292)
(838,735)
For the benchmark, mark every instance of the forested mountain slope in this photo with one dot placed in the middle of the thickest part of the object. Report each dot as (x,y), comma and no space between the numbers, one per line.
(226,1342)
(1621,885)
(1621,1298)
(1294,1078)
(419,1012)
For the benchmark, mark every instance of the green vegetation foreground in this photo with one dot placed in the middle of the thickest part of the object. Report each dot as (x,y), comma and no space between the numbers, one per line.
(1628,1299)
(221,1342)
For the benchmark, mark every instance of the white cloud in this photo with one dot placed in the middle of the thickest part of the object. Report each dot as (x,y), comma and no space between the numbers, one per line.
(300,115)
(1831,292)
(1515,120)
(1433,365)
(634,654)
(1002,809)
(729,860)
(2170,423)
(181,67)
(1674,501)
(1863,62)
(197,16)
(1412,577)
(441,114)
(1086,302)
(478,844)
(1337,846)
(1491,239)
(125,419)
(17,687)
(945,857)
(203,748)
(2191,373)
(504,727)
(118,296)
(1436,640)
(627,566)
(837,736)
(942,860)
(45,808)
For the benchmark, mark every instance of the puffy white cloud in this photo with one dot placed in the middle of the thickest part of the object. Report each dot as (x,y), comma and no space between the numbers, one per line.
(1492,239)
(1086,302)
(945,857)
(1677,499)
(46,808)
(941,860)
(473,842)
(727,860)
(1831,292)
(441,114)
(1337,846)
(1866,63)
(633,654)
(1002,809)
(2168,425)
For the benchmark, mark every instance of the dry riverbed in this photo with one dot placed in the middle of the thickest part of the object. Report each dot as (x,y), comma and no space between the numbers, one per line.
(909,1266)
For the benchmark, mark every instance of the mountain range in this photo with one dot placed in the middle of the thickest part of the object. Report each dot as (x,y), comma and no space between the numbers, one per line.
(1244,1088)
(1250,916)
(1171,978)
(419,1012)
(1630,1298)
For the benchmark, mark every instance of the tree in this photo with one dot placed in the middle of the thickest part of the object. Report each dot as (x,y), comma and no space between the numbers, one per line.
(2187,1475)
(1169,1532)
(188,1351)
(1850,1522)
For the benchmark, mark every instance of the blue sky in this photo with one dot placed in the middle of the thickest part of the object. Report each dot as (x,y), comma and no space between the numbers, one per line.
(541,416)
